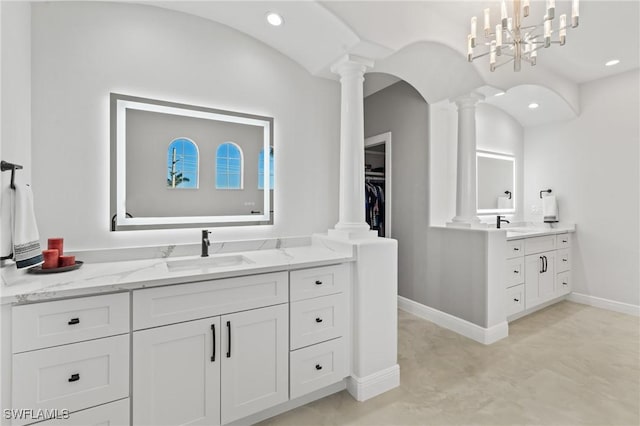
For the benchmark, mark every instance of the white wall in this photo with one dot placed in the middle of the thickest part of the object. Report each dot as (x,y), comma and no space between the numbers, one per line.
(16,87)
(496,131)
(84,51)
(592,164)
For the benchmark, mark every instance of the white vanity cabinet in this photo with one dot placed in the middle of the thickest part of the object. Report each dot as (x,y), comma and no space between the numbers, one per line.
(537,271)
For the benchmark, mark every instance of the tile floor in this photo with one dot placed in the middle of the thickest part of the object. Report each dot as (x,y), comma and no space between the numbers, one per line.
(568,364)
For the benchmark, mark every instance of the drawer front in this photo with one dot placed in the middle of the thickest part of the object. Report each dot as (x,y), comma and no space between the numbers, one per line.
(41,325)
(112,414)
(515,248)
(316,320)
(514,273)
(563,262)
(309,283)
(75,376)
(563,283)
(515,300)
(539,244)
(563,240)
(177,303)
(317,366)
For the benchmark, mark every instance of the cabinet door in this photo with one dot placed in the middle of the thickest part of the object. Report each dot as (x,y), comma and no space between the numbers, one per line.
(255,361)
(539,278)
(176,377)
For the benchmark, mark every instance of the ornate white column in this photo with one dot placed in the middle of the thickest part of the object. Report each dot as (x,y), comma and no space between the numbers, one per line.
(351,223)
(466,197)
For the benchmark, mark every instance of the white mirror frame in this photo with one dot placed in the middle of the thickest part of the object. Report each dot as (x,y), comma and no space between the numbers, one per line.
(498,156)
(119,105)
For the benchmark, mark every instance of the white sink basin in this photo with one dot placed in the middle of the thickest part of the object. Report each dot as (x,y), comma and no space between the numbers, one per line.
(208,262)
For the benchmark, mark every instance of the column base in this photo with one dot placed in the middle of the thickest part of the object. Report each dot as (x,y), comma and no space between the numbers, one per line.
(352,232)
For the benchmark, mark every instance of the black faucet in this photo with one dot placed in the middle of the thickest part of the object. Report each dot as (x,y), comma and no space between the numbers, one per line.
(205,243)
(499,220)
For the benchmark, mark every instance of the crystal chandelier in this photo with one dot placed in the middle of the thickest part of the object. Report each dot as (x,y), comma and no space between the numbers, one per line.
(515,41)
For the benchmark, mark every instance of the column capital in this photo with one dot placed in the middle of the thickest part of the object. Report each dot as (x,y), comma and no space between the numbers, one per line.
(351,63)
(468,100)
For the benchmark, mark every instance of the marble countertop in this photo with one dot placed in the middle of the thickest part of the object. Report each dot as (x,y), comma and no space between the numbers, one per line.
(518,232)
(94,278)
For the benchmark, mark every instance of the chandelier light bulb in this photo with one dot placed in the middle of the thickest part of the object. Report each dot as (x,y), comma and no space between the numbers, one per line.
(551,9)
(503,14)
(499,39)
(563,29)
(525,8)
(575,13)
(487,22)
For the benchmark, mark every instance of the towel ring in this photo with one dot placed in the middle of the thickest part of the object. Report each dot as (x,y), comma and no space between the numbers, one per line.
(508,193)
(548,191)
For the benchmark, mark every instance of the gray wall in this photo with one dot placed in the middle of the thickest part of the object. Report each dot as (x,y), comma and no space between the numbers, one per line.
(148,138)
(401,110)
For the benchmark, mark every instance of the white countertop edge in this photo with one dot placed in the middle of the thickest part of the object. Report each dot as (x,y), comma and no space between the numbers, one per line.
(138,274)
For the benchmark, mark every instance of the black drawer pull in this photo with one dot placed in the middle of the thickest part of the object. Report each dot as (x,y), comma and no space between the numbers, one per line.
(318,319)
(564,283)
(73,321)
(229,339)
(318,282)
(516,272)
(74,377)
(213,333)
(516,249)
(564,260)
(564,241)
(516,300)
(318,367)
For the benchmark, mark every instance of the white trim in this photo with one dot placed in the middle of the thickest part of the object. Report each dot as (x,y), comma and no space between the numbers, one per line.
(468,329)
(384,138)
(291,404)
(364,388)
(611,305)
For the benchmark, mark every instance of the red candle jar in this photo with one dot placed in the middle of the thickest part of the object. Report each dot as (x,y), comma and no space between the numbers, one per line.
(50,259)
(56,244)
(67,261)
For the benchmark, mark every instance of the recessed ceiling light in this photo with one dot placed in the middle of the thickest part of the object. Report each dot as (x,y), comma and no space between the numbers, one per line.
(499,93)
(533,105)
(274,19)
(612,62)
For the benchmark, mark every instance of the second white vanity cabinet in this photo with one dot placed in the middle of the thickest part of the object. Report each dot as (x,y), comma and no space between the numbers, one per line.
(538,270)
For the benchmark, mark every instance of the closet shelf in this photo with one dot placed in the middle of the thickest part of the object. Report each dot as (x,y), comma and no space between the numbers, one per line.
(374,174)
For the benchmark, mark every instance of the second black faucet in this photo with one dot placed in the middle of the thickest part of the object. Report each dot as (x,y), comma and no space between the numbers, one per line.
(499,220)
(205,243)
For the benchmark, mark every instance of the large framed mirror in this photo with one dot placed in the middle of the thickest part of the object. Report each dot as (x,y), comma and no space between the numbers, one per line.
(496,182)
(183,166)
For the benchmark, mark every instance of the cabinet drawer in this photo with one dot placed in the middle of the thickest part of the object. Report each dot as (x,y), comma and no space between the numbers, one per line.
(177,303)
(514,272)
(112,414)
(515,300)
(309,283)
(564,260)
(539,244)
(316,320)
(563,283)
(75,376)
(563,240)
(317,366)
(42,325)
(515,248)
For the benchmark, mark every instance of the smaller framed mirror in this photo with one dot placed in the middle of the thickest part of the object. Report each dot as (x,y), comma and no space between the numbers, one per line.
(496,182)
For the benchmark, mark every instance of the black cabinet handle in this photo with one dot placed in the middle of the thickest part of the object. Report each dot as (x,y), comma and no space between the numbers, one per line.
(318,319)
(546,263)
(213,334)
(516,300)
(318,367)
(564,241)
(516,249)
(564,260)
(563,283)
(318,282)
(516,272)
(541,265)
(74,377)
(73,321)
(229,339)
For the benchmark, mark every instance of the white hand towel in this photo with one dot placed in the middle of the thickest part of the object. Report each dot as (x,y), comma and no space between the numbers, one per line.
(26,239)
(550,209)
(6,220)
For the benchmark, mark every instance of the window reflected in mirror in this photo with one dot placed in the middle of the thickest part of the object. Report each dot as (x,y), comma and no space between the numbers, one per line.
(182,164)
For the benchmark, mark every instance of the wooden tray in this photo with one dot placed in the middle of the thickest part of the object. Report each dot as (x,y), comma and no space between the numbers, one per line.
(38,269)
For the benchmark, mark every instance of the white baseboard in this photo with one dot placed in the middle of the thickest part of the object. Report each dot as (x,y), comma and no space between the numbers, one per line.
(363,388)
(611,305)
(453,323)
